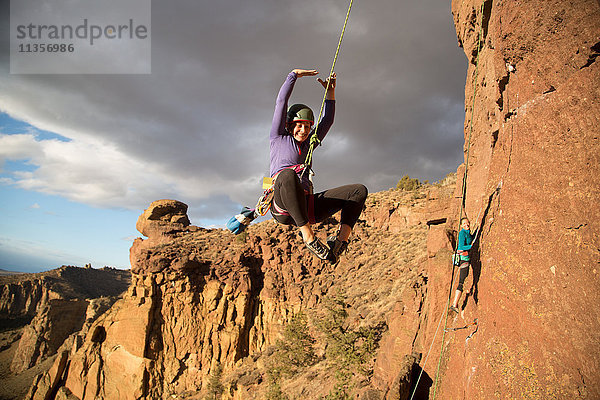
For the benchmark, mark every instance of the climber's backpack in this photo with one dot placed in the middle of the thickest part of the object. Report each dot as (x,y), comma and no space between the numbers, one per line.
(238,223)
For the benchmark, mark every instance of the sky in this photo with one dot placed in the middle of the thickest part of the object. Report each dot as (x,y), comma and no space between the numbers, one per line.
(82,155)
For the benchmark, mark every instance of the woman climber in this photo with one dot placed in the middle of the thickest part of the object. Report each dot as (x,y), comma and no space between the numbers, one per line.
(465,241)
(294,201)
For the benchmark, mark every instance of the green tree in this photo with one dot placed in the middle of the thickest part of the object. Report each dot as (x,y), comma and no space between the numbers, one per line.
(296,350)
(275,393)
(349,350)
(215,388)
(341,389)
(293,352)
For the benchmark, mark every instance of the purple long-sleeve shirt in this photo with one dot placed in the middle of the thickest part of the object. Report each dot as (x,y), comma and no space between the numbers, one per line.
(285,150)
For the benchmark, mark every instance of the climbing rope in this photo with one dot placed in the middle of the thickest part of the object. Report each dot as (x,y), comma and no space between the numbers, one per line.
(314,140)
(462,207)
(426,358)
(265,201)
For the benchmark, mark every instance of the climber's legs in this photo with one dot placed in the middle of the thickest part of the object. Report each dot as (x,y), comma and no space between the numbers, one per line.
(464,272)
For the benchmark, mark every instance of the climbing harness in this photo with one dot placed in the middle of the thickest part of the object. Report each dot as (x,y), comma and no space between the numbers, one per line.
(456,260)
(238,223)
(266,200)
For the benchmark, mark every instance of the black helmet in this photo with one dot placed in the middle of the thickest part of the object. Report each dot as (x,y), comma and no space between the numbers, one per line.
(300,112)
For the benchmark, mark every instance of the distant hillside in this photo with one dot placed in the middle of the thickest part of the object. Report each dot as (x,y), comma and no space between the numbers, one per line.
(4,272)
(74,282)
(39,312)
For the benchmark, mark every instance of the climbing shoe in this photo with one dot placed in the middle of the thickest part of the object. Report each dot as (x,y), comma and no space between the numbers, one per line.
(318,249)
(336,248)
(454,309)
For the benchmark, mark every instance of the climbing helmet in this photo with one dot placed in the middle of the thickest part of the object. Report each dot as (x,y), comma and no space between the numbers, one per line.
(300,112)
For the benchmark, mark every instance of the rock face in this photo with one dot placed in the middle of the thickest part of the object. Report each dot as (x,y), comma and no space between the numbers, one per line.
(22,299)
(201,297)
(54,322)
(533,171)
(51,306)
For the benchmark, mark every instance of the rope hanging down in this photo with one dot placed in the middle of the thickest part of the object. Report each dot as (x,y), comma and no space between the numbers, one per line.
(314,140)
(462,206)
(464,190)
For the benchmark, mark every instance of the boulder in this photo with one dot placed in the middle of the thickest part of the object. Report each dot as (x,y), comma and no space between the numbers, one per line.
(163,217)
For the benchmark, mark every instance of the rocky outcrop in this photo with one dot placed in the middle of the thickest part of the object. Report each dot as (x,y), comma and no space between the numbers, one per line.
(201,298)
(163,218)
(162,222)
(532,177)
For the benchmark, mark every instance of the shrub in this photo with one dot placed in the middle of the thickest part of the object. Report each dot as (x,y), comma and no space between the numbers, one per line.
(408,184)
(275,393)
(242,237)
(296,350)
(215,388)
(349,350)
(340,390)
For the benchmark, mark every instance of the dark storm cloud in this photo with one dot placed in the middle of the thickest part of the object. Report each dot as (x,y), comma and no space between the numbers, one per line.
(198,125)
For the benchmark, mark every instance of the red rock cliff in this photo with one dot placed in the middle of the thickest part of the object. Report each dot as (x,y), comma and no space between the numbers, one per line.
(533,171)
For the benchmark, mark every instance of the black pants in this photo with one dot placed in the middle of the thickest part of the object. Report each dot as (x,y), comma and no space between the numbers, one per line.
(464,272)
(302,209)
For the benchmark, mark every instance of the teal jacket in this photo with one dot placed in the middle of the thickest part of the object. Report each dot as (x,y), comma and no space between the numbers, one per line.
(465,240)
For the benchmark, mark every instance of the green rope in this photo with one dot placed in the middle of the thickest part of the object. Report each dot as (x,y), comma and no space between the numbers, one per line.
(464,192)
(314,140)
